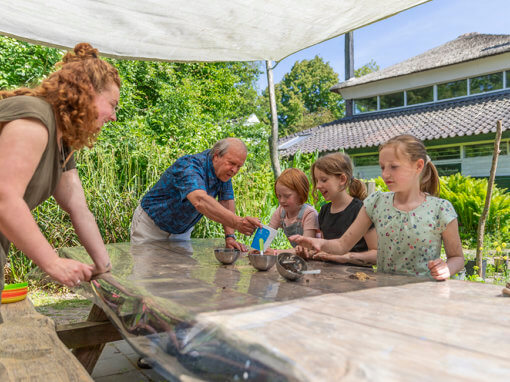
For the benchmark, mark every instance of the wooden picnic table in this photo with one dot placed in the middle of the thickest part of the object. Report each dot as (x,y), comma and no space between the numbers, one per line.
(193,317)
(30,349)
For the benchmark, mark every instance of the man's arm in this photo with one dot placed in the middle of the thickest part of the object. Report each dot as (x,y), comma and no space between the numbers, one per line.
(70,196)
(212,209)
(230,240)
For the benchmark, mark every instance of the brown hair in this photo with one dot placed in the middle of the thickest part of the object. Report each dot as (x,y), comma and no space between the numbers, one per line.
(296,180)
(338,164)
(68,92)
(414,149)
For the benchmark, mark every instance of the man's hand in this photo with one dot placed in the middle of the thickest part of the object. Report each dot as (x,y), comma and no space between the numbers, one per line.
(230,242)
(439,269)
(247,225)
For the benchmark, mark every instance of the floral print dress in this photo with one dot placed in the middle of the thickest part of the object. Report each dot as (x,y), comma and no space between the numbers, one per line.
(407,240)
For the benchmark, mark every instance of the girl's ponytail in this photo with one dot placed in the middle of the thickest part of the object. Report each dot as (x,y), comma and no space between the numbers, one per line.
(429,181)
(357,189)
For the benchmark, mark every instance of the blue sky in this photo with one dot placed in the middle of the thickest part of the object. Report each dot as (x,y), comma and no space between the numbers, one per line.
(406,34)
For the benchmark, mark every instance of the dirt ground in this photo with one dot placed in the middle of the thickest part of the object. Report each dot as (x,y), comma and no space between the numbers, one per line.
(63,308)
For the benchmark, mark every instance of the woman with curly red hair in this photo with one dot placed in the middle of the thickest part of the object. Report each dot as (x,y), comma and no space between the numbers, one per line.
(39,131)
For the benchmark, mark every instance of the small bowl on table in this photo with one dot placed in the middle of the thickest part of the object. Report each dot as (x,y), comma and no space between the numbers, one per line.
(14,292)
(290,266)
(226,255)
(261,262)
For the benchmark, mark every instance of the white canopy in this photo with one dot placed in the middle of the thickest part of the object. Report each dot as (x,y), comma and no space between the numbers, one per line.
(191,30)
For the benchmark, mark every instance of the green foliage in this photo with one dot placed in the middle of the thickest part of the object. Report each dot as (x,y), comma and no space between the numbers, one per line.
(468,198)
(303,98)
(366,69)
(23,64)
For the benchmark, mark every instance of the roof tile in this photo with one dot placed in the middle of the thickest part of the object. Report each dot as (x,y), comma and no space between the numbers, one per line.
(467,116)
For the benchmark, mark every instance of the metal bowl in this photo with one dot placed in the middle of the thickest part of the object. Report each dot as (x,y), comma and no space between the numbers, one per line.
(290,266)
(261,262)
(226,255)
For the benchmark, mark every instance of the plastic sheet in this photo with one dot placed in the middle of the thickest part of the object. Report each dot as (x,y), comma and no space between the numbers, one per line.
(158,292)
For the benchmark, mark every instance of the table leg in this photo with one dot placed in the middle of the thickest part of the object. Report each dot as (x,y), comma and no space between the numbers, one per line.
(88,355)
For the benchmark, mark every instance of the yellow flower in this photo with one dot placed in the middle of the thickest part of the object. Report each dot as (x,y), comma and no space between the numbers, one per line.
(503,245)
(498,249)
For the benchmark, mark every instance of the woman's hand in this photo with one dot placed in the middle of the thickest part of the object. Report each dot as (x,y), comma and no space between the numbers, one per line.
(68,272)
(307,242)
(102,268)
(439,269)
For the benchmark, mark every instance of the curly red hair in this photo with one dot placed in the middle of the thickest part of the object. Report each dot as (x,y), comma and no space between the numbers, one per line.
(68,90)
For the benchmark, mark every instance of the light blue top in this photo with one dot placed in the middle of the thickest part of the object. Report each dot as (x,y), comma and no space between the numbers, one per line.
(407,240)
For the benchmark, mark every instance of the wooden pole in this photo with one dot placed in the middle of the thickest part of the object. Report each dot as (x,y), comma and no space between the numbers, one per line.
(349,67)
(273,144)
(485,212)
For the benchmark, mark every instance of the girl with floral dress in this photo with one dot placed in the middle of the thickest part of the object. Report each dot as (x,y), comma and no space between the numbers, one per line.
(410,221)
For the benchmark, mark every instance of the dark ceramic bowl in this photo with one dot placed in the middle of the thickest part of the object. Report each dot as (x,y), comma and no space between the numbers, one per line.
(290,266)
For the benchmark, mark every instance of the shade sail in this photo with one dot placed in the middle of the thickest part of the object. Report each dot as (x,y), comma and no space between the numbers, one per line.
(191,30)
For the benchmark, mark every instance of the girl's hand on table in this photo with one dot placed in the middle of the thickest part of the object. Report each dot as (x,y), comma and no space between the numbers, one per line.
(439,269)
(307,242)
(304,253)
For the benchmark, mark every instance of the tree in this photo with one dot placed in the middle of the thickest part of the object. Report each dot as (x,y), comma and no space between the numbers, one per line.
(366,69)
(303,97)
(24,64)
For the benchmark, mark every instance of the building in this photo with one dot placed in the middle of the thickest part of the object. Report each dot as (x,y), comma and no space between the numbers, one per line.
(451,97)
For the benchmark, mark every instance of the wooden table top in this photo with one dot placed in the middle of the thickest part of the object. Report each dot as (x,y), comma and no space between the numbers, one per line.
(194,317)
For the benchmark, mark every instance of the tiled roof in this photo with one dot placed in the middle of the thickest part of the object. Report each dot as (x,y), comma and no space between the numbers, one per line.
(467,116)
(464,48)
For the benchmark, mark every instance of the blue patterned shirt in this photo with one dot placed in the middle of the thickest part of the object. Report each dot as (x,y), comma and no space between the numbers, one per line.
(167,204)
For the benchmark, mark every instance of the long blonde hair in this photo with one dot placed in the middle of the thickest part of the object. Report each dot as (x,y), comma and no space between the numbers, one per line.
(338,164)
(68,90)
(414,149)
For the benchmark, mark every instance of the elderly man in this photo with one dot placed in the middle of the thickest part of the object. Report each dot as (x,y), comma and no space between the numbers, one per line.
(187,190)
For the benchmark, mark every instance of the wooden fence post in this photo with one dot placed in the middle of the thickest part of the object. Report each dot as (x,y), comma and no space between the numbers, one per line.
(488,196)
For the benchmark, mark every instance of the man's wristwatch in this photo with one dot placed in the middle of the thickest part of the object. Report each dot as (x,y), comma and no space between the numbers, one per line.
(230,235)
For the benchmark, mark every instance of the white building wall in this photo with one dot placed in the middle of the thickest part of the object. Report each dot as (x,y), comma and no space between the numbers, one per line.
(473,68)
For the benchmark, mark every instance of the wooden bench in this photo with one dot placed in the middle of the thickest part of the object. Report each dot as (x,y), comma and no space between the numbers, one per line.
(30,349)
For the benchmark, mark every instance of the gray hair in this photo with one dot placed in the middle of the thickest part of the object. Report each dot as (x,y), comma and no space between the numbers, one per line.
(221,147)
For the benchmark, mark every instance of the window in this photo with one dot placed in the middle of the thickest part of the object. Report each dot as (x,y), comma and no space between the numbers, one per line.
(392,100)
(452,89)
(507,73)
(366,160)
(486,83)
(485,149)
(364,105)
(448,169)
(421,95)
(444,153)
